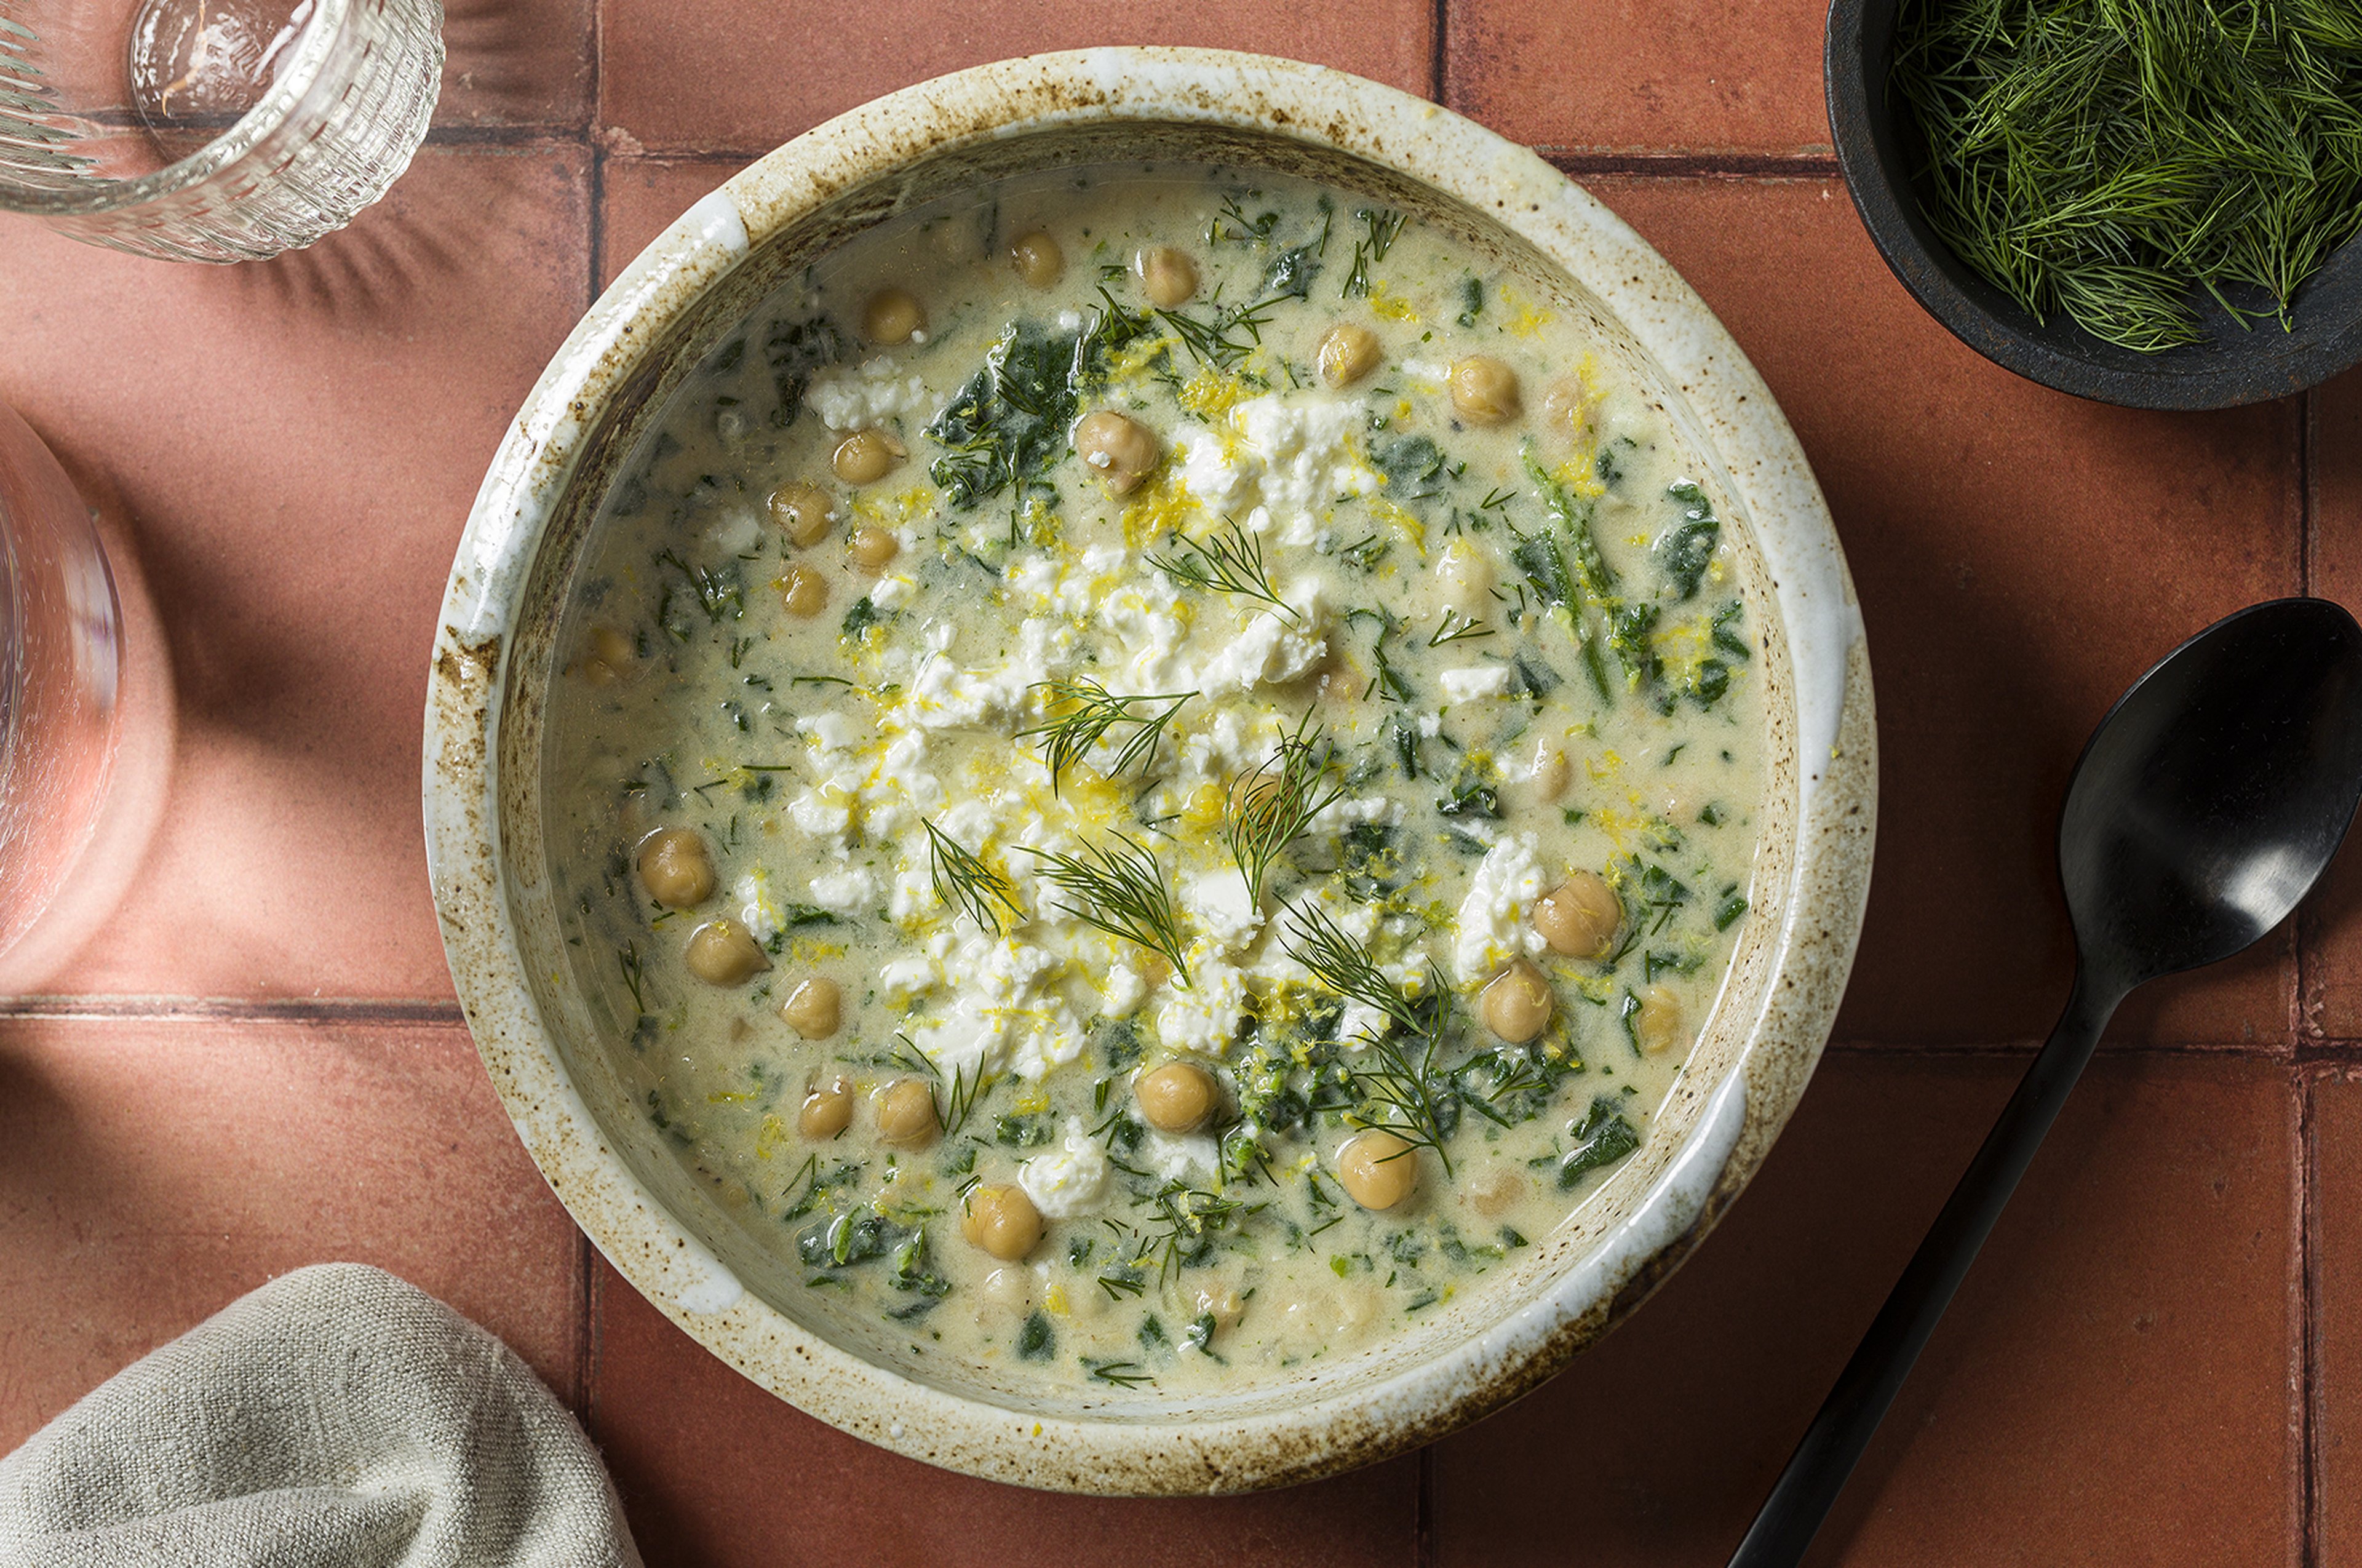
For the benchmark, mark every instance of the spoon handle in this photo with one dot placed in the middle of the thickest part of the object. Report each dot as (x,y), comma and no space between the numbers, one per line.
(1817,1471)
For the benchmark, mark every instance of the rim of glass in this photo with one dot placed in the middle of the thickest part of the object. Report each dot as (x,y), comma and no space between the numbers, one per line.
(101,194)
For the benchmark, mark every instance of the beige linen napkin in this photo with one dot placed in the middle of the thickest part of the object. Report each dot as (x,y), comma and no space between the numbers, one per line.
(337,1415)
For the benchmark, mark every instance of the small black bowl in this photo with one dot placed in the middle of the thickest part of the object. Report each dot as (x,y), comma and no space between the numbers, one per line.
(1878,147)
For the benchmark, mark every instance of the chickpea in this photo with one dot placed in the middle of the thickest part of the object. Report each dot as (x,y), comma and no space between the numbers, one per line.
(1222,1302)
(609,661)
(803,512)
(676,868)
(1003,1222)
(1517,1003)
(1491,1192)
(873,547)
(867,456)
(803,590)
(1659,1026)
(723,952)
(1581,916)
(906,1114)
(826,1112)
(1465,574)
(1120,450)
(1552,771)
(893,316)
(1484,389)
(1377,1169)
(1037,259)
(1348,352)
(1167,276)
(814,1008)
(1562,406)
(1179,1097)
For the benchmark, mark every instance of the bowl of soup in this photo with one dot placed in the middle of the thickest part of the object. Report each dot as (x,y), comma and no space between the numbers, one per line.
(1148,771)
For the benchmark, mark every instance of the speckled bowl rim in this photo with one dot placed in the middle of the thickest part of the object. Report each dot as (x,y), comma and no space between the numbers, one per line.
(1835,783)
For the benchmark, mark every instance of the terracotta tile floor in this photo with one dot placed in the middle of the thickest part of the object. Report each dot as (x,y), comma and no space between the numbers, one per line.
(255,1062)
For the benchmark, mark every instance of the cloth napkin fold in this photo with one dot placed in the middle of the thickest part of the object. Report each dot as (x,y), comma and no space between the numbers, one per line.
(337,1415)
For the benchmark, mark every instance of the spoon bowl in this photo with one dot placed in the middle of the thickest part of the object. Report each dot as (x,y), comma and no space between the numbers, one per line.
(2213,795)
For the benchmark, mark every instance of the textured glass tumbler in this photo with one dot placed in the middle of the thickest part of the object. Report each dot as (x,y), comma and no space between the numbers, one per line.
(211,130)
(60,667)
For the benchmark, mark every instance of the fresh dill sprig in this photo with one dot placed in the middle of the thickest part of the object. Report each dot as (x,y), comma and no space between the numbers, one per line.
(954,1101)
(1271,807)
(1457,627)
(1223,337)
(1381,225)
(2120,163)
(1399,1074)
(1121,891)
(1345,965)
(1229,561)
(964,882)
(1090,711)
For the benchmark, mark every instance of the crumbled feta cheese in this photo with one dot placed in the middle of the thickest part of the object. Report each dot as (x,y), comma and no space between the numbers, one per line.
(1361,1026)
(1203,1016)
(846,892)
(1122,992)
(1220,904)
(1273,649)
(756,910)
(868,395)
(1494,927)
(888,591)
(1069,1181)
(1188,1159)
(1480,680)
(830,732)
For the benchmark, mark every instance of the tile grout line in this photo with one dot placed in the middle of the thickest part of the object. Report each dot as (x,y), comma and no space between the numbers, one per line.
(1423,1551)
(1437,64)
(391,1013)
(2307,1312)
(1693,166)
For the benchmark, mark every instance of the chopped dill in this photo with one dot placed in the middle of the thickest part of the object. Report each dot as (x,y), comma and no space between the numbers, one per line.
(1380,225)
(1457,627)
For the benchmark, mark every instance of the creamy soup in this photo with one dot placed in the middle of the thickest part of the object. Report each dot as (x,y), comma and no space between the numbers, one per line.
(1161,767)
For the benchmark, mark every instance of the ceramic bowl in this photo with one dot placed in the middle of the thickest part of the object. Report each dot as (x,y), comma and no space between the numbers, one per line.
(538,1027)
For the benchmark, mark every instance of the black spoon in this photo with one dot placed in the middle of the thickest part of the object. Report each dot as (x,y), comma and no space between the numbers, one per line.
(2204,808)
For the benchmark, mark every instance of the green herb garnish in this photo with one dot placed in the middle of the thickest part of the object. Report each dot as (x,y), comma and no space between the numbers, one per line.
(964,882)
(1121,891)
(1229,561)
(2117,163)
(1270,808)
(1089,711)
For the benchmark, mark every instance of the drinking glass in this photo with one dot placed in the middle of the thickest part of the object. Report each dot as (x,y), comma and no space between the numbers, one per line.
(211,130)
(60,665)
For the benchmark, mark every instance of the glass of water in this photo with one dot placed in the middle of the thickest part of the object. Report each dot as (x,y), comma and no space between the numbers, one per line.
(211,130)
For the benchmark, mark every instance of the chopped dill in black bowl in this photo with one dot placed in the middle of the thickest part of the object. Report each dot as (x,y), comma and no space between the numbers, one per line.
(2147,201)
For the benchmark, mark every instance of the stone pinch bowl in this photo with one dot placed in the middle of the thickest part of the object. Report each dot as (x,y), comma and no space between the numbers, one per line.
(541,1012)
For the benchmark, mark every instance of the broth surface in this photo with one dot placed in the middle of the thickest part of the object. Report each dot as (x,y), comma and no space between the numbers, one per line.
(1160,767)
